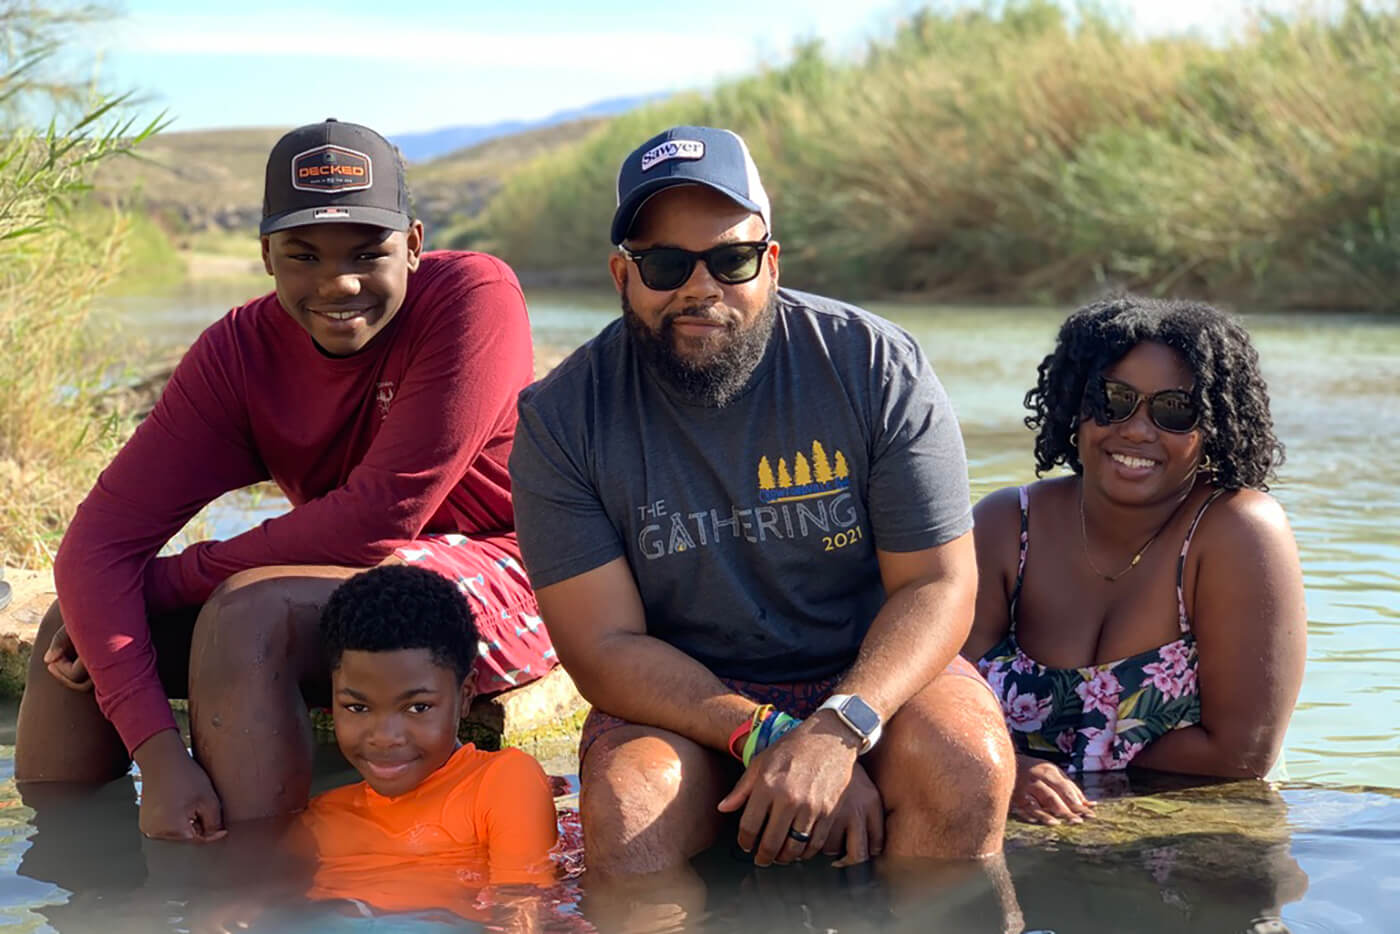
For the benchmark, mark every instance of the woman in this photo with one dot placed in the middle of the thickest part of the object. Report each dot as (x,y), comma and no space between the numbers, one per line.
(1149,607)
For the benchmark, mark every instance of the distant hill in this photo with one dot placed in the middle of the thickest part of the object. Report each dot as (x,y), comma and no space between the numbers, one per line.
(211,180)
(194,181)
(418,147)
(449,192)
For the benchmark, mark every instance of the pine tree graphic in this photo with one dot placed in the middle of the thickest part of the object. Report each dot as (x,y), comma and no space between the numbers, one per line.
(821,469)
(765,474)
(784,478)
(801,472)
(841,472)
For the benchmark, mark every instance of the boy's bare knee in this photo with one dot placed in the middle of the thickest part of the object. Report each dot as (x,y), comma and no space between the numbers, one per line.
(43,638)
(246,621)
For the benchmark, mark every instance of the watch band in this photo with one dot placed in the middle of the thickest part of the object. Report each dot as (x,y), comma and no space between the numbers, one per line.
(838,702)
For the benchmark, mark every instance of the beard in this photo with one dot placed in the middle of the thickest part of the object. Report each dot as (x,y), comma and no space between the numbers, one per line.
(717,375)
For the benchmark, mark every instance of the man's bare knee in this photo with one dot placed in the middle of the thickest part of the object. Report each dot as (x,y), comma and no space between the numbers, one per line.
(647,801)
(947,771)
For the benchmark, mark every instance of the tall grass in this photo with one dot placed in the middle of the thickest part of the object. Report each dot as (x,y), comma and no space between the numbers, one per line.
(1016,152)
(53,260)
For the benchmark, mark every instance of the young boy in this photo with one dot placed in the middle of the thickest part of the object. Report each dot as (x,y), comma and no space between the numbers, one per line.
(377,387)
(433,820)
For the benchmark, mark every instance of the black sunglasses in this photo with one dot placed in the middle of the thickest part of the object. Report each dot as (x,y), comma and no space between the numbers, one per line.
(1171,410)
(668,267)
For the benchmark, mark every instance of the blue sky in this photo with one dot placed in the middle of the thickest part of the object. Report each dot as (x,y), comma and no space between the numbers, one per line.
(430,63)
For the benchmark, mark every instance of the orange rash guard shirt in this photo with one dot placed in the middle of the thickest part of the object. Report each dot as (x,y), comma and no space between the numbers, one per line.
(483,818)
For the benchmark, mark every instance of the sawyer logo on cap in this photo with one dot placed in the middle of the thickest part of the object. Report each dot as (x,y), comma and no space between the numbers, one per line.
(332,168)
(673,149)
(334,173)
(688,155)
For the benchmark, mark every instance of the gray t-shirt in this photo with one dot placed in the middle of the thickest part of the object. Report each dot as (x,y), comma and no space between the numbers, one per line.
(751,529)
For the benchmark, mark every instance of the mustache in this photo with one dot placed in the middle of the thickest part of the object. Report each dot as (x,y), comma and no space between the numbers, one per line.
(710,312)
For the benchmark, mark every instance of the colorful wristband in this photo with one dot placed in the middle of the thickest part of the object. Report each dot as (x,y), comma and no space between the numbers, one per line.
(741,731)
(773,726)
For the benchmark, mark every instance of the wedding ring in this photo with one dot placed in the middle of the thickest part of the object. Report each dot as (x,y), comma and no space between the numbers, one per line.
(799,836)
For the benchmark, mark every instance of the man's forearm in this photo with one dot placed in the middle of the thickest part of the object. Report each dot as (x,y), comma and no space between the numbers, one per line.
(641,679)
(913,638)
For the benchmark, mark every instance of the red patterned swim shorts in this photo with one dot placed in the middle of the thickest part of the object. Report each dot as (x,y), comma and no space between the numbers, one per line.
(515,647)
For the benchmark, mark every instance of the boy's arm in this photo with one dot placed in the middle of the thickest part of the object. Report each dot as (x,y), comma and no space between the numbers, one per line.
(458,394)
(516,807)
(191,448)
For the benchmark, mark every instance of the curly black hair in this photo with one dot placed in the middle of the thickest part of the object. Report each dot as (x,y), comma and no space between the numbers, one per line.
(1230,393)
(399,606)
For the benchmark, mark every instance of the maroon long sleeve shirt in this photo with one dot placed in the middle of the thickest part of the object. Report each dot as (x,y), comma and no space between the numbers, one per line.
(410,435)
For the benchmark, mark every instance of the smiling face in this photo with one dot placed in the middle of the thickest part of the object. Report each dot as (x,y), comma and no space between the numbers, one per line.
(1134,461)
(343,283)
(396,715)
(705,336)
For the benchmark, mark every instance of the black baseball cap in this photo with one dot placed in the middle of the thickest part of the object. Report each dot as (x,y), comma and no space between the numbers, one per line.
(334,173)
(688,155)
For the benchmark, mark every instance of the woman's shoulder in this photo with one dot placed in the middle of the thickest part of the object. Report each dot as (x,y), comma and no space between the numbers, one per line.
(1236,518)
(1244,538)
(1002,508)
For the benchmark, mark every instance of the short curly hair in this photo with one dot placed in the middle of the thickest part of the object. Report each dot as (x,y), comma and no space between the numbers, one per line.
(401,607)
(1229,391)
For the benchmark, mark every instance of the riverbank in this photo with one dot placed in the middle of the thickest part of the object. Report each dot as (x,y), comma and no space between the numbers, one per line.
(1025,155)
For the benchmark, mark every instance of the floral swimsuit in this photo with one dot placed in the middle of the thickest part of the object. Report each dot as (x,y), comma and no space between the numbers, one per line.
(1098,717)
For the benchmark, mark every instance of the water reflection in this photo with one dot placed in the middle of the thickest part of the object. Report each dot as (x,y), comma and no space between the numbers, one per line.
(1160,856)
(1216,857)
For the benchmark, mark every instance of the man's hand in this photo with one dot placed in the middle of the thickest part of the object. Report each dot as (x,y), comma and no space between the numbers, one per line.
(61,658)
(798,784)
(1046,795)
(859,822)
(177,799)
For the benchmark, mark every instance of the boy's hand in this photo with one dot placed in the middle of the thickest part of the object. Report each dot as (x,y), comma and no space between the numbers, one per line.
(63,662)
(177,799)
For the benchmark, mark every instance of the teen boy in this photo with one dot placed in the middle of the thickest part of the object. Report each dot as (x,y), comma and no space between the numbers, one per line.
(433,820)
(377,387)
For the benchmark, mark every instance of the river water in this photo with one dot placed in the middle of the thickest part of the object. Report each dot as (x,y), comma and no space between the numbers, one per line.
(1317,852)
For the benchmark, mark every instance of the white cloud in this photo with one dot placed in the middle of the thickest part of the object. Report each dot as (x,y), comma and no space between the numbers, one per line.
(649,53)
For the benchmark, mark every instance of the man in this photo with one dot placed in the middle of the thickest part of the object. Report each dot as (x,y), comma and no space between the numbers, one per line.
(740,495)
(377,387)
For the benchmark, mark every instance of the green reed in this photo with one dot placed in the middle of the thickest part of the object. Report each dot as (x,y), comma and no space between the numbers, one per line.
(1021,153)
(55,255)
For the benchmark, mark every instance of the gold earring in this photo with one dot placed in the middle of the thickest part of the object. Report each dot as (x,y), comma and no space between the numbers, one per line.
(1205,466)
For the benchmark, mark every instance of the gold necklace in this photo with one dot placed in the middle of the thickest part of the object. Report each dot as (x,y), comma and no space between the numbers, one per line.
(1084,537)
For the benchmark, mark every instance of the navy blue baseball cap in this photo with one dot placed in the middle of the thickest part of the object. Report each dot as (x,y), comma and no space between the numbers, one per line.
(688,155)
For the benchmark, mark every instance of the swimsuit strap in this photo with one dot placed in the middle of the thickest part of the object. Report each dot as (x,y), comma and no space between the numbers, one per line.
(1181,618)
(1024,494)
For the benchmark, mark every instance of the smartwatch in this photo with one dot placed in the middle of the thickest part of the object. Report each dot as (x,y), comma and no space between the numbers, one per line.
(858,715)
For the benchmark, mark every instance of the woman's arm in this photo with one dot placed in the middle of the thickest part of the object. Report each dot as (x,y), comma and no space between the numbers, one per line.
(1250,621)
(997,537)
